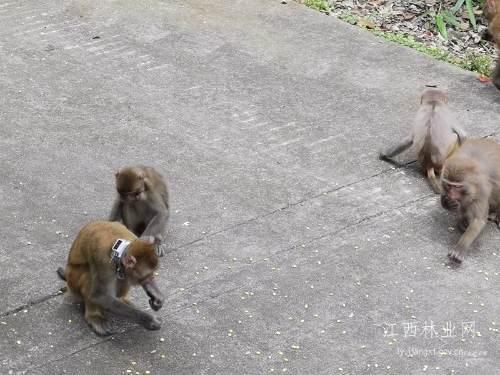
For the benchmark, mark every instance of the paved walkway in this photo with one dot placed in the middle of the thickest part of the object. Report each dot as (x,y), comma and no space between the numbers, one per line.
(293,249)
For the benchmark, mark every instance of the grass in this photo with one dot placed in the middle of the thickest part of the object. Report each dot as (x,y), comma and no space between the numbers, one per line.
(472,62)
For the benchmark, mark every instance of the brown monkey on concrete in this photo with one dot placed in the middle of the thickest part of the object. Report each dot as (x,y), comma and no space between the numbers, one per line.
(491,10)
(435,135)
(470,185)
(142,203)
(105,260)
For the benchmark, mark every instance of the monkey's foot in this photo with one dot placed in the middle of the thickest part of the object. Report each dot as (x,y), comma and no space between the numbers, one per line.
(161,249)
(100,325)
(456,255)
(151,322)
(494,217)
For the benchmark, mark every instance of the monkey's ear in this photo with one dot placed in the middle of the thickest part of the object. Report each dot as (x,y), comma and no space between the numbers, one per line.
(141,175)
(129,261)
(148,239)
(118,173)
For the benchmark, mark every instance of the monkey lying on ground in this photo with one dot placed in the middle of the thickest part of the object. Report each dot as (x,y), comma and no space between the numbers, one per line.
(435,135)
(470,185)
(491,10)
(105,260)
(142,203)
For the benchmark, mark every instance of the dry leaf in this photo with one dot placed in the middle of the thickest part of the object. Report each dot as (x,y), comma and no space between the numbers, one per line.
(368,25)
(408,16)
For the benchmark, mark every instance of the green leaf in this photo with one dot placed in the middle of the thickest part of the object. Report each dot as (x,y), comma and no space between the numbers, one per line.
(425,13)
(450,18)
(457,6)
(470,10)
(441,27)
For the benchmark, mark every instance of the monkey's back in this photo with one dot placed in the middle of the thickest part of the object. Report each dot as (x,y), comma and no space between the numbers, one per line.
(92,246)
(433,137)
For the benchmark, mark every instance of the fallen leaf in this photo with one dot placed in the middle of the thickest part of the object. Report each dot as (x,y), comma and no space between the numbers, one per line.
(368,25)
(483,79)
(408,16)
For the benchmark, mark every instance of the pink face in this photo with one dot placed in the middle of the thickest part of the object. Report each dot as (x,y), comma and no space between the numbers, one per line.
(454,191)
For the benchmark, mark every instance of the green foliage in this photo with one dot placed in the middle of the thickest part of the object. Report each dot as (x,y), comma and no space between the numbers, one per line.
(478,64)
(348,17)
(320,5)
(473,62)
(470,11)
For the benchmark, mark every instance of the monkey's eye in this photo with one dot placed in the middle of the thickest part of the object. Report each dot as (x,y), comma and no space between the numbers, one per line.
(137,193)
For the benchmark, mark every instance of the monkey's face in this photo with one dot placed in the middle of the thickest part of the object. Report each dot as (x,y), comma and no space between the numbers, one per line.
(131,196)
(130,185)
(454,190)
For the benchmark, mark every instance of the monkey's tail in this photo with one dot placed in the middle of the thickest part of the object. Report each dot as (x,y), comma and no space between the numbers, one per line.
(433,180)
(62,273)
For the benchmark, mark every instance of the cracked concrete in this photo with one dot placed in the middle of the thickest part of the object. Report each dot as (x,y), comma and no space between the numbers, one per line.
(292,247)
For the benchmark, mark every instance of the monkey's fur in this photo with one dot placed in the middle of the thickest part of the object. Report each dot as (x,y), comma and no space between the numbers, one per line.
(142,203)
(435,135)
(470,185)
(91,277)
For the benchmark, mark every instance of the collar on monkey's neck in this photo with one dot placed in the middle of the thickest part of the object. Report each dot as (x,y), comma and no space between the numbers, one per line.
(118,251)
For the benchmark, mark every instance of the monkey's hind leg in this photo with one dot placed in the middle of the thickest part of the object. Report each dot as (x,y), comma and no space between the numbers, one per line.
(95,318)
(433,180)
(403,145)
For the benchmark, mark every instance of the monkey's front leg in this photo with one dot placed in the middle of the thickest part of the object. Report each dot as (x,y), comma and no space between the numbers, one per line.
(116,211)
(155,228)
(403,145)
(120,308)
(458,252)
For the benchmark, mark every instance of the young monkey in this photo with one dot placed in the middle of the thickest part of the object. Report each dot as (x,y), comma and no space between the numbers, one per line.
(142,203)
(435,135)
(491,10)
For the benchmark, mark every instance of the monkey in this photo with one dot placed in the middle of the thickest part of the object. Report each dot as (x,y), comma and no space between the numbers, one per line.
(105,260)
(491,10)
(435,135)
(142,203)
(470,186)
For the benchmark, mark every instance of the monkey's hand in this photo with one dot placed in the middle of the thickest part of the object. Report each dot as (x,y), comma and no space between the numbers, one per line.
(161,249)
(456,255)
(463,223)
(449,204)
(156,304)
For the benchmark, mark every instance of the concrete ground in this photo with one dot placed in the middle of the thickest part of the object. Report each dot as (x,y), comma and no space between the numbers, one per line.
(292,248)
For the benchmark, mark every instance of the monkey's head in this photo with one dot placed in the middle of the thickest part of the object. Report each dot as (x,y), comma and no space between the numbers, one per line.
(130,184)
(458,179)
(490,9)
(433,97)
(140,263)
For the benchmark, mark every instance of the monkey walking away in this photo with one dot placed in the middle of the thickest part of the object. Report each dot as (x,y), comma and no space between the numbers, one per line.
(470,185)
(491,10)
(142,203)
(105,260)
(435,135)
